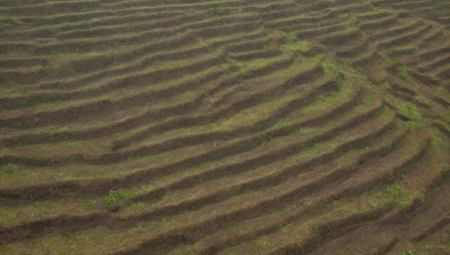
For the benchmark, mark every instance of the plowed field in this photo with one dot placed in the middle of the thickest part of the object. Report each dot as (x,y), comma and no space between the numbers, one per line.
(224,127)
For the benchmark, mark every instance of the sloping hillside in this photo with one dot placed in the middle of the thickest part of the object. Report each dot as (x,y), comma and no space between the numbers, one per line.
(224,127)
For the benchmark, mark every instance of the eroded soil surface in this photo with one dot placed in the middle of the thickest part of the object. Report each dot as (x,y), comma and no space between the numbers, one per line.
(224,127)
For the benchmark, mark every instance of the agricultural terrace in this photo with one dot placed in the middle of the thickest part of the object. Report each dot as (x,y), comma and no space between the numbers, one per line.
(224,127)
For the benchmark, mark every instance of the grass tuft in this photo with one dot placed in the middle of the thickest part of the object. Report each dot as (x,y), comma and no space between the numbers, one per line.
(115,197)
(399,196)
(291,36)
(88,205)
(403,71)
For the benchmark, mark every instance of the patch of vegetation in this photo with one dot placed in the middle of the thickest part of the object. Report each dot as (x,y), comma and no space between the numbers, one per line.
(291,36)
(271,45)
(17,124)
(388,62)
(403,71)
(140,205)
(36,160)
(9,169)
(9,23)
(15,141)
(359,69)
(299,46)
(88,205)
(234,68)
(288,208)
(38,69)
(331,68)
(368,221)
(12,173)
(282,123)
(301,131)
(189,95)
(412,112)
(48,98)
(399,196)
(439,90)
(110,60)
(407,253)
(267,140)
(443,6)
(115,197)
(312,144)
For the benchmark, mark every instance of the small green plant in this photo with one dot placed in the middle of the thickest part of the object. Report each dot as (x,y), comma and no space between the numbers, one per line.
(17,124)
(9,169)
(288,208)
(312,144)
(110,60)
(15,141)
(399,196)
(359,69)
(439,90)
(291,36)
(38,69)
(397,191)
(36,160)
(403,71)
(282,123)
(368,221)
(333,70)
(9,23)
(388,62)
(372,84)
(64,49)
(115,197)
(407,253)
(189,95)
(13,22)
(88,205)
(301,131)
(432,144)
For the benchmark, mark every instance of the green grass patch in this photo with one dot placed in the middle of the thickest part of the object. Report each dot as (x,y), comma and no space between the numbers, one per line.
(412,112)
(291,36)
(399,196)
(331,68)
(38,69)
(115,197)
(88,205)
(300,46)
(282,123)
(359,69)
(403,71)
(9,23)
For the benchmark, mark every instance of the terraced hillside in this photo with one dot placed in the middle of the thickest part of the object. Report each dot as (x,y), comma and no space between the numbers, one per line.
(224,127)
